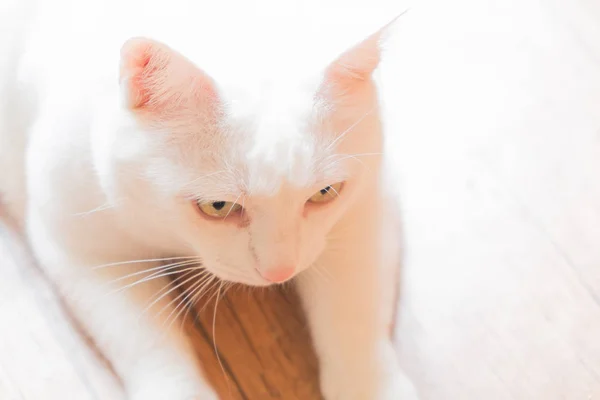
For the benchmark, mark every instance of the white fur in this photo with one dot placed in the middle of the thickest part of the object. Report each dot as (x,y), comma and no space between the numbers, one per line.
(110,178)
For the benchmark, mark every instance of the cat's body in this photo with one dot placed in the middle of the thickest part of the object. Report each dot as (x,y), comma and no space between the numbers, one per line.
(103,164)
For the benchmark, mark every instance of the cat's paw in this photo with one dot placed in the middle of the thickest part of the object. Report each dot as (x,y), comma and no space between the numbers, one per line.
(186,390)
(398,387)
(163,394)
(390,383)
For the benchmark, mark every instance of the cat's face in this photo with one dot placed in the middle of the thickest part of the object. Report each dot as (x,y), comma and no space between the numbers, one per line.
(253,182)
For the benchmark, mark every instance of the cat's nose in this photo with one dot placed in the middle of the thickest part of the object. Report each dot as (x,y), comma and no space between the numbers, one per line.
(278,274)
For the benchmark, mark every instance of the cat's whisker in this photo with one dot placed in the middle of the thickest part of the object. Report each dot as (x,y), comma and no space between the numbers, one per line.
(349,129)
(185,300)
(326,272)
(322,272)
(160,268)
(354,157)
(177,283)
(175,299)
(342,155)
(114,264)
(232,205)
(103,207)
(226,268)
(175,303)
(200,278)
(214,331)
(170,291)
(243,204)
(228,167)
(207,288)
(214,285)
(195,298)
(160,272)
(223,171)
(285,286)
(248,291)
(147,279)
(316,269)
(195,287)
(335,191)
(181,275)
(228,286)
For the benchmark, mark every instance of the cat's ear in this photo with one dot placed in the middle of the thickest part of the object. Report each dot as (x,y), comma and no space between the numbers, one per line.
(358,63)
(155,78)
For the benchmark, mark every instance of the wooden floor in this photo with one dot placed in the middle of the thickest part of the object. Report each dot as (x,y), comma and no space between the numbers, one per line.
(262,340)
(497,142)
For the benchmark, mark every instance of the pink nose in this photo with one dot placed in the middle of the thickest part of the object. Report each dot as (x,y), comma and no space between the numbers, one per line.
(279,274)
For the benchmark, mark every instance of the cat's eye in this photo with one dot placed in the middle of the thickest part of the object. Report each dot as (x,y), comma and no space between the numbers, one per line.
(219,209)
(327,194)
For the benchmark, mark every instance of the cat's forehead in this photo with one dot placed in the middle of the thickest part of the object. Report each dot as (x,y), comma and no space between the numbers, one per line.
(277,129)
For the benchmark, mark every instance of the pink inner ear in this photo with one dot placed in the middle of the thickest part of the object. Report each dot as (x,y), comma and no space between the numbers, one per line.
(158,79)
(355,65)
(358,63)
(352,68)
(140,64)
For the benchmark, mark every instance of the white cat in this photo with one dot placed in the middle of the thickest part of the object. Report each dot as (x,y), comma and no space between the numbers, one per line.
(246,170)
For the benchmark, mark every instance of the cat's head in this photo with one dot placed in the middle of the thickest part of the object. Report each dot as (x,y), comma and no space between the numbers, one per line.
(252,180)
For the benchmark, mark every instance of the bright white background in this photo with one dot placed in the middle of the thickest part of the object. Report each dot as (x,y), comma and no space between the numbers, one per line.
(495,117)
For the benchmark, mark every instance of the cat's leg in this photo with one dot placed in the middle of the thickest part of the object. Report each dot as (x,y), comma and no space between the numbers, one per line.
(151,355)
(343,301)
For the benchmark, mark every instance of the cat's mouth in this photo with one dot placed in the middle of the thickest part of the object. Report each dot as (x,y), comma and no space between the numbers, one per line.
(228,273)
(277,275)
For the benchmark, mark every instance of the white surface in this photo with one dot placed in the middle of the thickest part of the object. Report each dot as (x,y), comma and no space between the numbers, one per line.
(497,134)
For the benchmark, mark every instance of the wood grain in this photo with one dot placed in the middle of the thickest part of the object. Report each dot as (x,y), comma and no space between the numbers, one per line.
(264,346)
(260,336)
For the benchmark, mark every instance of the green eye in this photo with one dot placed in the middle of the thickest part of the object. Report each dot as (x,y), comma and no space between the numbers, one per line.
(326,194)
(219,209)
